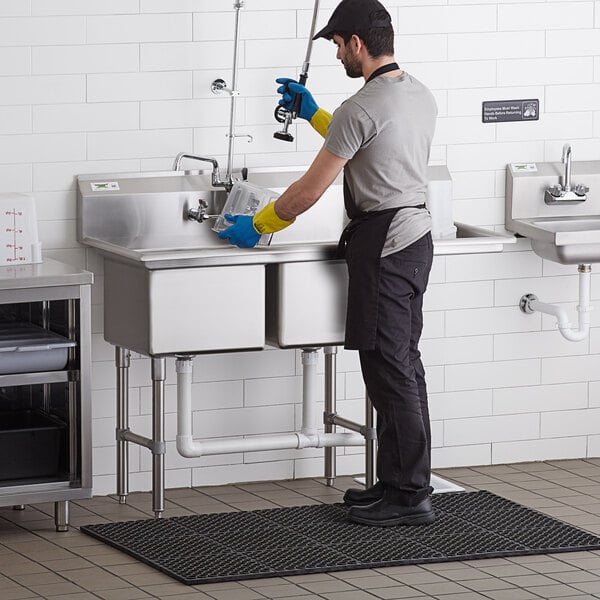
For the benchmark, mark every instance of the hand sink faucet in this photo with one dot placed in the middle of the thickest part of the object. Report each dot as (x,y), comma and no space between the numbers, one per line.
(563,194)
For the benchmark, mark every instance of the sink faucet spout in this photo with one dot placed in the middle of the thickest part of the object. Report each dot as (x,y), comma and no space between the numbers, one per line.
(566,158)
(563,193)
(216,174)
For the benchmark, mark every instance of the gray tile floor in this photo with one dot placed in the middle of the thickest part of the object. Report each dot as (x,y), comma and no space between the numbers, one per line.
(37,562)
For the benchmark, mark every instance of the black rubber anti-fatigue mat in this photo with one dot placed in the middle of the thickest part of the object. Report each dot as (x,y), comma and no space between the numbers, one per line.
(312,539)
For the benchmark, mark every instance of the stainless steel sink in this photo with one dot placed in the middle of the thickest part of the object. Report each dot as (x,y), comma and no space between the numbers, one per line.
(567,232)
(565,240)
(306,301)
(172,286)
(183,311)
(306,304)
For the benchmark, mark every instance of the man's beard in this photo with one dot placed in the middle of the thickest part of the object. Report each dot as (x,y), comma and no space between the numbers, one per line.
(353,68)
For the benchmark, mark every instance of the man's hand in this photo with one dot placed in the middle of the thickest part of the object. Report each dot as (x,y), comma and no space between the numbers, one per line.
(242,233)
(288,90)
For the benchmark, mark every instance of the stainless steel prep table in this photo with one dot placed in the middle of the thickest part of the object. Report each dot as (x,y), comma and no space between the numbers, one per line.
(54,296)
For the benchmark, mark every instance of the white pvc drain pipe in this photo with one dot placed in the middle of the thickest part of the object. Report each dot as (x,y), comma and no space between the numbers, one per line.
(529,303)
(308,437)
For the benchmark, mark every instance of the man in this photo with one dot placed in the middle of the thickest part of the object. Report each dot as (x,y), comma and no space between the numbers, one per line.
(381,137)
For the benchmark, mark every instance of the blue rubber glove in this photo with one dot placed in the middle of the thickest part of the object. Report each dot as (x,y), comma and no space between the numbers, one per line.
(242,233)
(288,91)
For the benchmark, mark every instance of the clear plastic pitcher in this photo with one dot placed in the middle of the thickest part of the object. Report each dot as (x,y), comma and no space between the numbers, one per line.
(244,199)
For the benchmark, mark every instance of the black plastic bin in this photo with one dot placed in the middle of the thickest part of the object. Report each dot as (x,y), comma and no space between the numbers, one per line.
(30,445)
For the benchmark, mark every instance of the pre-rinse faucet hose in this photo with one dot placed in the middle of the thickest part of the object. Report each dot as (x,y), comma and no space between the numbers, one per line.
(286,117)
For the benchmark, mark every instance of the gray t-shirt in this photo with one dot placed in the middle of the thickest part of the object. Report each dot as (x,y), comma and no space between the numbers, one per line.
(385,132)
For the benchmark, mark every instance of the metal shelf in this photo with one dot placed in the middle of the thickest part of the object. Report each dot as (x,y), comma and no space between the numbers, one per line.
(53,296)
(14,379)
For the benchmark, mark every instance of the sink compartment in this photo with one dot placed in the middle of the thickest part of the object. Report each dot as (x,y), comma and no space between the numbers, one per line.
(184,311)
(306,304)
(306,301)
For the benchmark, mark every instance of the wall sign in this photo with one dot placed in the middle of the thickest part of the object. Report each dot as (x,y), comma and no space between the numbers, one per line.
(498,111)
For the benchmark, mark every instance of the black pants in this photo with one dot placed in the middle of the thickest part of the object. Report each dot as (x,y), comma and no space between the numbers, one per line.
(395,377)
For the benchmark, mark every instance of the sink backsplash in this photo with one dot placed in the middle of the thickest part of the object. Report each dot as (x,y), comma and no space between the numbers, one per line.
(148,211)
(525,190)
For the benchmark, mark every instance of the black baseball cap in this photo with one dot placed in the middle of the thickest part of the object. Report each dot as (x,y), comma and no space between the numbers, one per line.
(355,15)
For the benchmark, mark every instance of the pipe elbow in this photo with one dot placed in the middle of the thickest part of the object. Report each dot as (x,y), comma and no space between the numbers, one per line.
(574,335)
(187,447)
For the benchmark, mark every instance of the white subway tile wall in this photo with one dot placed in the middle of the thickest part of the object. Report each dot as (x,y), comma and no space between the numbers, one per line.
(117,86)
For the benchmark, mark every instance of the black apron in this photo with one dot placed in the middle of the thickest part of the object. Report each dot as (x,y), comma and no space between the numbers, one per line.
(361,244)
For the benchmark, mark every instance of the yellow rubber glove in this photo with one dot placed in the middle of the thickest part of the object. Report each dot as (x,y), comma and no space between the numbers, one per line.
(320,121)
(267,221)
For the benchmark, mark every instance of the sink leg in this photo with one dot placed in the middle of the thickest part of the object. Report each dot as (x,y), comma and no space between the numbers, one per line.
(122,360)
(330,406)
(370,445)
(158,435)
(61,515)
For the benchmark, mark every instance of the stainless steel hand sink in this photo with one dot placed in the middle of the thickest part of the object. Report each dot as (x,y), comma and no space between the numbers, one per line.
(565,232)
(568,241)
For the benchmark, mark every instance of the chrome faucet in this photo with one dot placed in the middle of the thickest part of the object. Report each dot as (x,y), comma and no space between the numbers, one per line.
(200,214)
(566,158)
(216,174)
(564,194)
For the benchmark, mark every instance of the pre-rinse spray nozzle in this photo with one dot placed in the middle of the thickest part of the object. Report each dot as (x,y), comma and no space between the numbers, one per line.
(281,114)
(287,116)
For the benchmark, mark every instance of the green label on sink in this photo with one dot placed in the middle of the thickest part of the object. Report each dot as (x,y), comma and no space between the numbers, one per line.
(523,167)
(104,186)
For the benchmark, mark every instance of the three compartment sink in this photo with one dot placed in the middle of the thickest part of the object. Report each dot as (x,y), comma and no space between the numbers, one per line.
(171,286)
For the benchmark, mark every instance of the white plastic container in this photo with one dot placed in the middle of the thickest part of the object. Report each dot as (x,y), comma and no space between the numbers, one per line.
(439,203)
(19,243)
(245,199)
(27,348)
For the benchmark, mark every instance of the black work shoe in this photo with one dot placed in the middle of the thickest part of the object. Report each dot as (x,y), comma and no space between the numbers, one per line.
(364,497)
(386,514)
